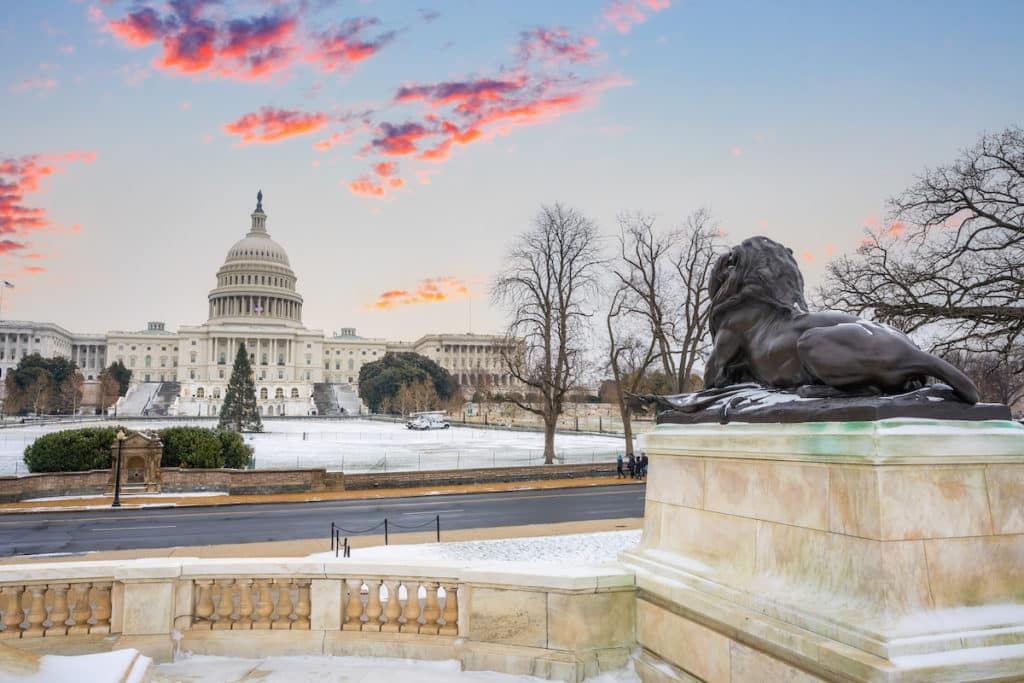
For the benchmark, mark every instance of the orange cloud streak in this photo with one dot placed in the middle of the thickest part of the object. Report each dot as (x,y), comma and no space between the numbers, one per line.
(270,125)
(429,290)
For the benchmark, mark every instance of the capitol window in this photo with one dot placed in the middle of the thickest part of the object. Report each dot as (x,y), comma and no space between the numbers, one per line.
(200,393)
(221,373)
(192,357)
(263,393)
(279,393)
(295,391)
(216,392)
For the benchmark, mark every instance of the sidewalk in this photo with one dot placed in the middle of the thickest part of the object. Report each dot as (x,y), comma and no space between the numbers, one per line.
(308,546)
(170,500)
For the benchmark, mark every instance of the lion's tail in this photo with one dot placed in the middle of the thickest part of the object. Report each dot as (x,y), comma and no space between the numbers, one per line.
(962,385)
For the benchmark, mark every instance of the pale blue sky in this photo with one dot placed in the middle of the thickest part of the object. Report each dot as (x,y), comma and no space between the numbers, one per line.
(791,119)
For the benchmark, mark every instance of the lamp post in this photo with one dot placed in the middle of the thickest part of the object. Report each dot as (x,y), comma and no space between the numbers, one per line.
(117,474)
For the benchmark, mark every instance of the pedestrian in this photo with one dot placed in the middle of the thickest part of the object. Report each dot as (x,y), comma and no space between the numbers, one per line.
(643,465)
(632,466)
(620,473)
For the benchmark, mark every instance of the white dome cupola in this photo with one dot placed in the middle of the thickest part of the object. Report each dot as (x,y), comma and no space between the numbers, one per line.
(256,280)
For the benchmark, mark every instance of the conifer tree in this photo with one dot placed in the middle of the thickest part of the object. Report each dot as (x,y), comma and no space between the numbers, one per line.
(240,412)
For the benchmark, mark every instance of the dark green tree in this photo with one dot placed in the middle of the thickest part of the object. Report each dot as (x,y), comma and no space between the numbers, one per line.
(240,412)
(382,379)
(123,375)
(43,385)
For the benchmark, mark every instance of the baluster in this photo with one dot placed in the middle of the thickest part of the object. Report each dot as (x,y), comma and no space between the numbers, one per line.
(244,620)
(451,611)
(412,608)
(226,603)
(13,613)
(264,606)
(303,608)
(82,610)
(102,611)
(59,614)
(354,609)
(393,609)
(373,607)
(204,606)
(431,611)
(36,612)
(284,604)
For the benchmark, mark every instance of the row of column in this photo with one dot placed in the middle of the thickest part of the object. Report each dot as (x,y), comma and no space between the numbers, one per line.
(255,305)
(268,346)
(74,609)
(251,604)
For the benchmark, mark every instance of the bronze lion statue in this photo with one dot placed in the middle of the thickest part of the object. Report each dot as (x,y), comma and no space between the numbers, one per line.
(764,334)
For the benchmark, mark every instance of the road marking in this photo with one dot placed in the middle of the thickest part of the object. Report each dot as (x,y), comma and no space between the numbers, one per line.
(431,512)
(370,504)
(132,528)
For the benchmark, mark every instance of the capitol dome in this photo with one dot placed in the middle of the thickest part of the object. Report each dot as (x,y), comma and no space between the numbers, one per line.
(256,280)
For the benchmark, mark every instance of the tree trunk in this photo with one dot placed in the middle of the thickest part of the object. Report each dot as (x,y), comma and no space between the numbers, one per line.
(549,440)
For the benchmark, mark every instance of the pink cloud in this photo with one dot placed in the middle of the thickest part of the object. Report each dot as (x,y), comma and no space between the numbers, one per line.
(344,46)
(20,178)
(737,151)
(624,14)
(40,84)
(197,40)
(428,290)
(270,125)
(554,45)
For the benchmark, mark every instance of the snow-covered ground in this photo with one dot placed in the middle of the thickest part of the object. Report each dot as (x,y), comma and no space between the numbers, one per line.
(364,445)
(202,669)
(566,550)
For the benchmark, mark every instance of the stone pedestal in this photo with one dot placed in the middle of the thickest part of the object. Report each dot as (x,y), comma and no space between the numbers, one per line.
(873,551)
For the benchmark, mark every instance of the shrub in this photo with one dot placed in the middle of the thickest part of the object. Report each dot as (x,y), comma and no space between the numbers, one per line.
(236,453)
(72,450)
(194,447)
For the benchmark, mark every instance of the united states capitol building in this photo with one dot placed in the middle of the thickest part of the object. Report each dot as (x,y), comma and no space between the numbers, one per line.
(256,301)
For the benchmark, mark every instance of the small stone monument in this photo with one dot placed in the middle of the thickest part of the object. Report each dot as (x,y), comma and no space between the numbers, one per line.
(140,455)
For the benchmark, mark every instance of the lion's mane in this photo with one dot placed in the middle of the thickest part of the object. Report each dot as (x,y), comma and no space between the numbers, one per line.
(757,269)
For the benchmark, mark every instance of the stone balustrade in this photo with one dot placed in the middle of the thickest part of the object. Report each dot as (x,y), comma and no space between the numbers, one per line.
(53,610)
(495,616)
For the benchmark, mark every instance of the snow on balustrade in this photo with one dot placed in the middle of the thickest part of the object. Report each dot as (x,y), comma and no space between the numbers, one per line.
(55,609)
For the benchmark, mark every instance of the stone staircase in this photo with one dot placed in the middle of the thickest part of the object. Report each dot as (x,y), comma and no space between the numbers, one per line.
(138,398)
(348,400)
(334,400)
(325,400)
(163,399)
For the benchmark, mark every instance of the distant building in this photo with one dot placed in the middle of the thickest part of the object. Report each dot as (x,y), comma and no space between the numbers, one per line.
(298,371)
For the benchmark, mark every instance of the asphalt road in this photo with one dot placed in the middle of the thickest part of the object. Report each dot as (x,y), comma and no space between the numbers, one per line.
(75,532)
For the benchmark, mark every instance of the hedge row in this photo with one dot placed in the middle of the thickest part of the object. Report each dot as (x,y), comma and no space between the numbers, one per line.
(78,450)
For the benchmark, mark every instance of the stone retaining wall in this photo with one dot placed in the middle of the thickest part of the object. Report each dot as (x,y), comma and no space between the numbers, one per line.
(174,480)
(250,482)
(482,475)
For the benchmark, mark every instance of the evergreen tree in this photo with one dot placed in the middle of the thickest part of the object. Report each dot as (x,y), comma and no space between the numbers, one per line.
(240,412)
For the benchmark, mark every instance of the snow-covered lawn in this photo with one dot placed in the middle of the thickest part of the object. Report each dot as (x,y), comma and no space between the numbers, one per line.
(202,669)
(364,445)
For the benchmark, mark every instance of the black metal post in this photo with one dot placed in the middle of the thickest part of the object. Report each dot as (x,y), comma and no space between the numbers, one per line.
(332,536)
(385,531)
(437,521)
(117,477)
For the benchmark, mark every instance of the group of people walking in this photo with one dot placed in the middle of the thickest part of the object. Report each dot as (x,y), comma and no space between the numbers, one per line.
(637,466)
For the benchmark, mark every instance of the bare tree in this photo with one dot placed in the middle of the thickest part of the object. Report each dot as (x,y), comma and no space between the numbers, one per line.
(994,374)
(547,287)
(953,255)
(664,279)
(628,357)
